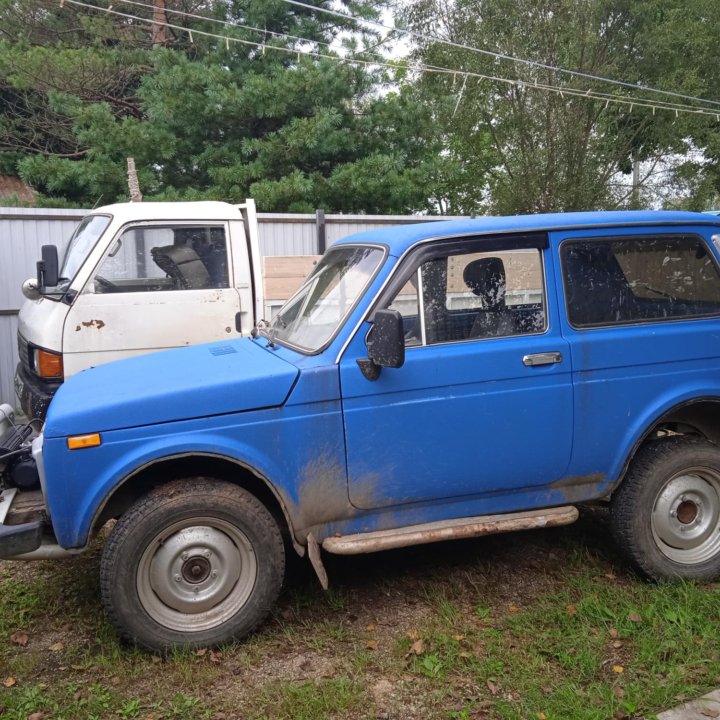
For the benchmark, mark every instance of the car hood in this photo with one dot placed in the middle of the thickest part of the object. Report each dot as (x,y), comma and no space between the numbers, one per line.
(180,384)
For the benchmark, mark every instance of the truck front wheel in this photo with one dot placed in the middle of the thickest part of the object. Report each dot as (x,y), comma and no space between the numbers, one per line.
(194,563)
(666,513)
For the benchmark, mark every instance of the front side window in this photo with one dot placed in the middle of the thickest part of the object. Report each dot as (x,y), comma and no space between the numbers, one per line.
(629,280)
(472,296)
(310,318)
(81,243)
(172,257)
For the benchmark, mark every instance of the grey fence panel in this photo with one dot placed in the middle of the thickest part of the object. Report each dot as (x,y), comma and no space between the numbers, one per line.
(287,235)
(8,357)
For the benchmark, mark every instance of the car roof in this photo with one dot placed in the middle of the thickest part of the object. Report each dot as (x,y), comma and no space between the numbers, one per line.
(400,238)
(191,210)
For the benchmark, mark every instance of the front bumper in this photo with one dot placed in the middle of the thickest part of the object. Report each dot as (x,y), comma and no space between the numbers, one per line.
(16,539)
(34,393)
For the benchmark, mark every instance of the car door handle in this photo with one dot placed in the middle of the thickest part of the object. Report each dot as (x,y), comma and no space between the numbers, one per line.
(544,358)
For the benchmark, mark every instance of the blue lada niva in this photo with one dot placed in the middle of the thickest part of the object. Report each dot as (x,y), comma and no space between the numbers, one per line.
(427,382)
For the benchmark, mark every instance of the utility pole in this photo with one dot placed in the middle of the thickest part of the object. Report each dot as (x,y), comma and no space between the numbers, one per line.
(133,184)
(635,183)
(159,26)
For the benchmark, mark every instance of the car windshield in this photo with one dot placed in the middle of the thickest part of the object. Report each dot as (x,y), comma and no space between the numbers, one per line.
(81,243)
(310,318)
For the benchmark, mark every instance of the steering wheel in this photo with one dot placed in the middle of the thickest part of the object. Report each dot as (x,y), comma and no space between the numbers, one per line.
(104,285)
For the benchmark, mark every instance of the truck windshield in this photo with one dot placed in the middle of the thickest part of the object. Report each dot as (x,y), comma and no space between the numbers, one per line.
(81,243)
(310,318)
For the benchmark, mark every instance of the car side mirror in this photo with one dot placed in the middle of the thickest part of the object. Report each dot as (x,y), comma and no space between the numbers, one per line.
(385,344)
(48,268)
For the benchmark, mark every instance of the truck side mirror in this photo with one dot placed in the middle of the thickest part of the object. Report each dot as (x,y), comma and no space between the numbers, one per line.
(48,268)
(385,344)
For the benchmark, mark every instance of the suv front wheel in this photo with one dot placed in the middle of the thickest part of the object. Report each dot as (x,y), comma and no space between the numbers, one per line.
(194,563)
(666,513)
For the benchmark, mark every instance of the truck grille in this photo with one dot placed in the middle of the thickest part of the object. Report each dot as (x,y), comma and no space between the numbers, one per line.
(23,352)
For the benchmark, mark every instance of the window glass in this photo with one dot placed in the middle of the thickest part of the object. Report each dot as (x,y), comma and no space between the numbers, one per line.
(630,280)
(311,317)
(468,296)
(165,258)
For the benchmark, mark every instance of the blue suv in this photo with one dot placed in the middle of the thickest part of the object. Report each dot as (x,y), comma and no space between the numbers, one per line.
(427,382)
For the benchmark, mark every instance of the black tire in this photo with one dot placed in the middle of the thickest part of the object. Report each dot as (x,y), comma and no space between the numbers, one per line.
(666,513)
(194,563)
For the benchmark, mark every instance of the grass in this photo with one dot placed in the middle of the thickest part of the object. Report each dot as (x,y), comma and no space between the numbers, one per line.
(535,625)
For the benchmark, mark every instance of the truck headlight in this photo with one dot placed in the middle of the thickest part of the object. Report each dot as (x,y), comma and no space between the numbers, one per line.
(47,364)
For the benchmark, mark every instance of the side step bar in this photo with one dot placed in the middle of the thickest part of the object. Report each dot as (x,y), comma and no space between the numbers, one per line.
(449,530)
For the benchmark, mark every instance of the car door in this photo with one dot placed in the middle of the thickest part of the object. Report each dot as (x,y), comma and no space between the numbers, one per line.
(483,402)
(159,286)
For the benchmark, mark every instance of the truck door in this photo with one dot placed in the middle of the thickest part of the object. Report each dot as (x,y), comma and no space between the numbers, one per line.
(159,286)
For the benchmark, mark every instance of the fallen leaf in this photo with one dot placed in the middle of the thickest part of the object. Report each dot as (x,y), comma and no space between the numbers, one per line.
(709,712)
(36,716)
(219,715)
(617,644)
(611,576)
(372,645)
(613,632)
(492,687)
(634,617)
(56,647)
(541,716)
(459,638)
(618,669)
(371,627)
(201,652)
(20,638)
(619,692)
(412,634)
(9,682)
(115,680)
(156,659)
(215,657)
(418,647)
(77,695)
(571,610)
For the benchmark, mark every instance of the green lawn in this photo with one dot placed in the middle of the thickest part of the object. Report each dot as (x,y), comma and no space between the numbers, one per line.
(548,624)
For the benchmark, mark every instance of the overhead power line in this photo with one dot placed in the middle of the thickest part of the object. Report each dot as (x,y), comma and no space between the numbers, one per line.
(499,55)
(588,94)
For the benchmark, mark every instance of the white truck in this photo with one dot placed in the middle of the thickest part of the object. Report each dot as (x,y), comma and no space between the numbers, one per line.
(136,278)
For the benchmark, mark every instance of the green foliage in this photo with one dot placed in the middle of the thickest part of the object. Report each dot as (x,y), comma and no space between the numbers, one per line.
(527,150)
(206,120)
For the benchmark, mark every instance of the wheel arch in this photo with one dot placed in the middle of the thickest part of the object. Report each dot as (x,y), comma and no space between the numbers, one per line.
(161,471)
(698,417)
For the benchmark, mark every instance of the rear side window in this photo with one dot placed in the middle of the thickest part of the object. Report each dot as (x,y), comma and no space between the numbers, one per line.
(639,279)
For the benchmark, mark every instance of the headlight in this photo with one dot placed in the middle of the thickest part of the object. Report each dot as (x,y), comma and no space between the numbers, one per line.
(47,364)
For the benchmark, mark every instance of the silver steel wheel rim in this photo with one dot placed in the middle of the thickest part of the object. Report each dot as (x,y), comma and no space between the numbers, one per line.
(196,574)
(686,516)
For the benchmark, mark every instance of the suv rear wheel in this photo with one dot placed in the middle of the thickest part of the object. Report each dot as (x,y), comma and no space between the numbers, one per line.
(666,513)
(194,563)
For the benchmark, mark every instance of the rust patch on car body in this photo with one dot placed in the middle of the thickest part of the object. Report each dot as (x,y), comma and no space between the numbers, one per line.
(99,324)
(574,488)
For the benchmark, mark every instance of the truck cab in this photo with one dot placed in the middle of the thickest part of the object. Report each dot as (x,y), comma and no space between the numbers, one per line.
(137,278)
